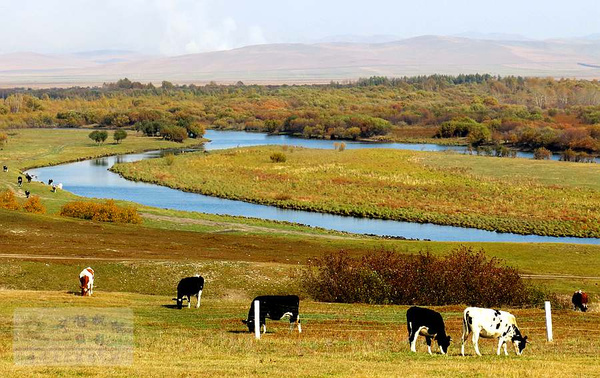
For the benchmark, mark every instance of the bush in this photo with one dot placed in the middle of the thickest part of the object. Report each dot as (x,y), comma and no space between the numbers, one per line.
(169,158)
(119,135)
(542,154)
(102,212)
(174,133)
(8,201)
(278,157)
(98,136)
(464,276)
(34,205)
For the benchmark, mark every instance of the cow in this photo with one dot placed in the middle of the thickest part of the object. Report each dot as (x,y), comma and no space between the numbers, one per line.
(5,168)
(275,307)
(27,193)
(20,181)
(28,177)
(580,301)
(428,323)
(86,279)
(492,324)
(188,287)
(50,182)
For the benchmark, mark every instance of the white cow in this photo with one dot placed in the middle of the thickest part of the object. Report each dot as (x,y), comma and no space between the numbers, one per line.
(86,279)
(492,324)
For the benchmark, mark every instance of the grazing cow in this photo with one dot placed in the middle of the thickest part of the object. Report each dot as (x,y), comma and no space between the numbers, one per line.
(275,307)
(27,193)
(20,181)
(28,177)
(50,182)
(86,279)
(492,324)
(5,168)
(428,323)
(580,301)
(188,287)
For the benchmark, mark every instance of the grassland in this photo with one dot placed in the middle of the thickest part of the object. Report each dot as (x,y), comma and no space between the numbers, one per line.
(557,199)
(137,267)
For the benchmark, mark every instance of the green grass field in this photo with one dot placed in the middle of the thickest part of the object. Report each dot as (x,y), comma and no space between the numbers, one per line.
(558,199)
(138,266)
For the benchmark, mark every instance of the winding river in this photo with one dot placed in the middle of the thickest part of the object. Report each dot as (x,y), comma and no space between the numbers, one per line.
(91,178)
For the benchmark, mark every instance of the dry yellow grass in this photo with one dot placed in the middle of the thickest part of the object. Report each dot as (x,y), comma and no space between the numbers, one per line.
(339,340)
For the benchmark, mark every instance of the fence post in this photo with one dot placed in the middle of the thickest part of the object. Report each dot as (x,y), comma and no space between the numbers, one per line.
(257,319)
(548,321)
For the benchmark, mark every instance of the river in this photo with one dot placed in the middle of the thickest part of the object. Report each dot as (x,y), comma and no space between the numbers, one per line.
(91,178)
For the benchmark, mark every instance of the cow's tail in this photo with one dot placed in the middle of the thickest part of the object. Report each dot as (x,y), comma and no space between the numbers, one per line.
(465,324)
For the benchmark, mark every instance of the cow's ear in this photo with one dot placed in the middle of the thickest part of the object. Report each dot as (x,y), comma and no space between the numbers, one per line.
(245,321)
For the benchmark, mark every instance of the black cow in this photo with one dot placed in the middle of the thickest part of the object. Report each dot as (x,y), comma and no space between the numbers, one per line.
(27,193)
(20,181)
(275,307)
(5,168)
(428,323)
(189,287)
(580,301)
(28,177)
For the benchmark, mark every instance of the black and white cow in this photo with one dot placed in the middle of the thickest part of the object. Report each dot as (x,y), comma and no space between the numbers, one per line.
(189,287)
(50,182)
(5,168)
(492,324)
(28,177)
(428,323)
(580,301)
(20,181)
(27,193)
(275,307)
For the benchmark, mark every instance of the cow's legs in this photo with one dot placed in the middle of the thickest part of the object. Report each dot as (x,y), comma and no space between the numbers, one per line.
(428,340)
(189,297)
(264,326)
(298,322)
(464,338)
(413,342)
(476,343)
(505,351)
(199,295)
(500,342)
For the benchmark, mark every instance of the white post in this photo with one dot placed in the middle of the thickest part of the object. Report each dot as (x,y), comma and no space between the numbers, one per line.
(548,321)
(257,319)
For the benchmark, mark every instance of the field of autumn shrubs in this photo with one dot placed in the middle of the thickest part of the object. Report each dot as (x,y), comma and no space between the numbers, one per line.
(517,112)
(101,212)
(464,276)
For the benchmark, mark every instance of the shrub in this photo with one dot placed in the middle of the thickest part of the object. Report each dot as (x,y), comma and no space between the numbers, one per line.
(119,135)
(98,136)
(3,139)
(278,157)
(342,147)
(8,200)
(169,158)
(34,205)
(464,276)
(102,212)
(542,154)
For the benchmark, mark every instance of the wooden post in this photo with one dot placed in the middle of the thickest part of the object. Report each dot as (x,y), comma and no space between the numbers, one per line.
(548,321)
(257,319)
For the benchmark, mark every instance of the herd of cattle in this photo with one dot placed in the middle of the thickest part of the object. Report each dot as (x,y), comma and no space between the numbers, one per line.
(53,186)
(480,322)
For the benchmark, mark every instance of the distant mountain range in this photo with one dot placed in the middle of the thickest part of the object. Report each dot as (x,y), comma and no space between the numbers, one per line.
(320,62)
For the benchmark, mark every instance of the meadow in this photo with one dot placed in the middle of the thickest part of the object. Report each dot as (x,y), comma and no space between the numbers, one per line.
(506,195)
(138,266)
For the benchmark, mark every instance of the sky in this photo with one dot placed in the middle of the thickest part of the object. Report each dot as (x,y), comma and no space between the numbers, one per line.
(175,27)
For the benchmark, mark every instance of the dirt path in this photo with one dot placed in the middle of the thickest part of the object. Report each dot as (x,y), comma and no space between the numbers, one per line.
(228,227)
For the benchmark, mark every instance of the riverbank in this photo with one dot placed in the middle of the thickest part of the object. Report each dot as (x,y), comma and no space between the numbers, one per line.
(388,184)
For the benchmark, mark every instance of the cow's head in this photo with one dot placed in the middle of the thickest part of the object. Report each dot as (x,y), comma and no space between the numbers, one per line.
(519,342)
(444,343)
(250,324)
(583,307)
(85,287)
(180,303)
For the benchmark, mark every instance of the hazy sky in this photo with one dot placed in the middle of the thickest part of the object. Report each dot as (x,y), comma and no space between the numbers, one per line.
(187,26)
